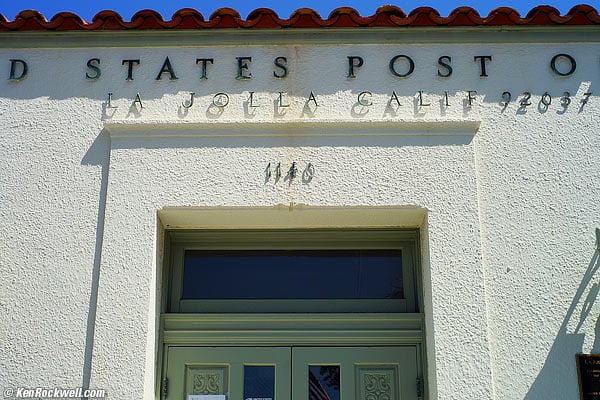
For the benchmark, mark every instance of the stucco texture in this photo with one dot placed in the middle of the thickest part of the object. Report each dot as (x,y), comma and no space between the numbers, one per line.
(510,192)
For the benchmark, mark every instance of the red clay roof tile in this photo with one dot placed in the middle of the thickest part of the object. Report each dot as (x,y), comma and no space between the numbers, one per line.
(264,18)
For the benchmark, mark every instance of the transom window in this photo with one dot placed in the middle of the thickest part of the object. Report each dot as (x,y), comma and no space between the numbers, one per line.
(304,270)
(292,274)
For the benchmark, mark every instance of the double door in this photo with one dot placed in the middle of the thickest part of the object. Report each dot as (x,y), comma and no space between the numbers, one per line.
(292,373)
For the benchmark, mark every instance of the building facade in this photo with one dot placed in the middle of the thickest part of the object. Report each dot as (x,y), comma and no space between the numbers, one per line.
(386,207)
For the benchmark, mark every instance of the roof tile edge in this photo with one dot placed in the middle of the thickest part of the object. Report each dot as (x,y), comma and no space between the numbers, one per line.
(264,18)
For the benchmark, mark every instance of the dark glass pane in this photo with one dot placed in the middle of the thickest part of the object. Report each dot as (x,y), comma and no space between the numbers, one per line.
(324,382)
(259,382)
(295,274)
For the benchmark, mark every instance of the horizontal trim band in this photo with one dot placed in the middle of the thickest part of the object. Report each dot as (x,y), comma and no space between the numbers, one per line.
(322,128)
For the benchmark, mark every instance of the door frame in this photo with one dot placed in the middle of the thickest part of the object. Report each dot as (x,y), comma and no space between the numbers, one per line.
(280,328)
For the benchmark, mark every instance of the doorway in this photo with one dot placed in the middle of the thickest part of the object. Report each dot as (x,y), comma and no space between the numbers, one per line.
(292,314)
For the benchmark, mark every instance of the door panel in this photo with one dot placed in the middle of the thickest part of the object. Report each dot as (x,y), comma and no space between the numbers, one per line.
(362,373)
(298,373)
(232,372)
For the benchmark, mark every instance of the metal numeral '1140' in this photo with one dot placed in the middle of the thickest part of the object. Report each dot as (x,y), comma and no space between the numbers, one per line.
(275,171)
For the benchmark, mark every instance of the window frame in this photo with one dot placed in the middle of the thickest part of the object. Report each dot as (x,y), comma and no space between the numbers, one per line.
(178,241)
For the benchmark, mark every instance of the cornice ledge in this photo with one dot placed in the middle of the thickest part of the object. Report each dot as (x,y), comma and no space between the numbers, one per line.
(313,127)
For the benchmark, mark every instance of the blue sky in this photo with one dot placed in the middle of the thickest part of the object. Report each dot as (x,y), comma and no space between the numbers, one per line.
(87,8)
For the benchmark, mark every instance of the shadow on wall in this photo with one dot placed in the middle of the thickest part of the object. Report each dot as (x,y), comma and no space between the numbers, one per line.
(98,154)
(555,379)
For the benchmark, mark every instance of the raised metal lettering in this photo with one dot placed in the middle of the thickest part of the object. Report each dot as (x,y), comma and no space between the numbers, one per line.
(362,101)
(220,99)
(354,62)
(190,102)
(242,63)
(280,104)
(13,69)
(567,57)
(506,97)
(421,104)
(130,64)
(251,101)
(312,98)
(546,99)
(482,60)
(470,98)
(203,62)
(280,62)
(93,64)
(411,66)
(525,100)
(138,99)
(109,101)
(445,65)
(167,67)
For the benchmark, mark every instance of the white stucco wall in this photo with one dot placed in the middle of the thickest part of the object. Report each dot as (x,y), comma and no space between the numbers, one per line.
(511,195)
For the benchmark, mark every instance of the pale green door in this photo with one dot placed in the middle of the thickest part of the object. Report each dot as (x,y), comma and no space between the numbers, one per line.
(224,373)
(354,373)
(292,373)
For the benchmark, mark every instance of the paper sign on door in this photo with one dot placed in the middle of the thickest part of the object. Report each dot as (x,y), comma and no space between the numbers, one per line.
(206,397)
